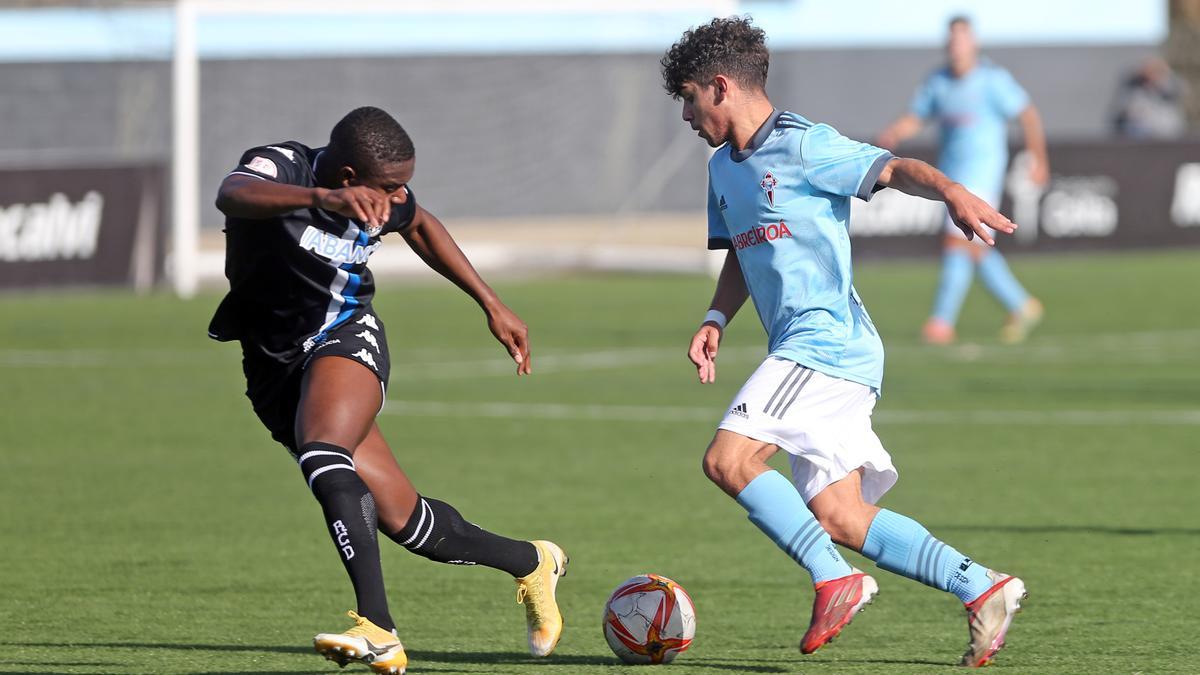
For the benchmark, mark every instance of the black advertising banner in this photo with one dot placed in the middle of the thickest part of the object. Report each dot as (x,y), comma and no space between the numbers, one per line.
(80,226)
(1108,195)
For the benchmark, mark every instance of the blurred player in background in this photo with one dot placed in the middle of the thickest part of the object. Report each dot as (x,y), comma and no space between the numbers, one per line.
(972,100)
(779,200)
(301,224)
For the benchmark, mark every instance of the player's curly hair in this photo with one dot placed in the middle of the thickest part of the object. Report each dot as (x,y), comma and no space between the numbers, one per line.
(368,138)
(731,46)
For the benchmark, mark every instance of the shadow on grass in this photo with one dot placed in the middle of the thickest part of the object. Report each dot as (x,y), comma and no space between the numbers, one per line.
(521,658)
(424,656)
(172,646)
(1074,529)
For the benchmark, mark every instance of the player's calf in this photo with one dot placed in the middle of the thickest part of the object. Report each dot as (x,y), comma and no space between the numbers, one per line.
(902,545)
(349,511)
(437,531)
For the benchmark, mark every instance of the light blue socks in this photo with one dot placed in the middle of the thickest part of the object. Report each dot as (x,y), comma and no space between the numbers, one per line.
(957,270)
(902,545)
(777,509)
(999,279)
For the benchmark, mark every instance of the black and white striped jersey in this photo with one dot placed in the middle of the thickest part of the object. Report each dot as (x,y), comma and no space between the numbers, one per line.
(297,276)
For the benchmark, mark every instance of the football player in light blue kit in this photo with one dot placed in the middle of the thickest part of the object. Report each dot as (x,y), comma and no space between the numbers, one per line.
(779,199)
(972,100)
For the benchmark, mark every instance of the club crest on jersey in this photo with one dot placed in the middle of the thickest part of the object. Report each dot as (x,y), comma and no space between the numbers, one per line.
(768,184)
(373,230)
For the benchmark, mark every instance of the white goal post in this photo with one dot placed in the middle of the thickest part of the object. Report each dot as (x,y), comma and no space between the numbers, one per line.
(183,268)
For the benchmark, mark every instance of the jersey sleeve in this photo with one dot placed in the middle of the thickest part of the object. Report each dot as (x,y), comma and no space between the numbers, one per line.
(1009,97)
(839,165)
(923,101)
(718,232)
(276,163)
(402,215)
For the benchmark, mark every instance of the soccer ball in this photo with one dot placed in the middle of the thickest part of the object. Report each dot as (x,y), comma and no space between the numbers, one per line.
(649,619)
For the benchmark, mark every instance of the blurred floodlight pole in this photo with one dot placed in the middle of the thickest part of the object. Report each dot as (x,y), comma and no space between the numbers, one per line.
(185,149)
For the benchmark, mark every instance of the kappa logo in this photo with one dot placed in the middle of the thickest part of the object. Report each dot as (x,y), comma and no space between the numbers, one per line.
(723,205)
(325,343)
(370,338)
(369,321)
(768,184)
(343,539)
(740,410)
(365,356)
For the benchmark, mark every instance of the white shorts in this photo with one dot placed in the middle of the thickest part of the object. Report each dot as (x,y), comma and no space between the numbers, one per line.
(824,424)
(992,197)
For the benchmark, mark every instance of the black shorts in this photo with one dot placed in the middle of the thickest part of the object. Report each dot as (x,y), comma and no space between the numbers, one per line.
(273,384)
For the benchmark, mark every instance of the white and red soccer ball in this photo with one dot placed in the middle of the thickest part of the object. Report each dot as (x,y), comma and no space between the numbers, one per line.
(649,619)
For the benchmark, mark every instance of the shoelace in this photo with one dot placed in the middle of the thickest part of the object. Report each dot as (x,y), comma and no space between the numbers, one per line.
(362,626)
(532,608)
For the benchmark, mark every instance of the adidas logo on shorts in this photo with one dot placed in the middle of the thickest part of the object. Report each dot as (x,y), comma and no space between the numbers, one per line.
(740,410)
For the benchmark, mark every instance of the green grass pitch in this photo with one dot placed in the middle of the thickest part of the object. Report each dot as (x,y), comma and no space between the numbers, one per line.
(151,526)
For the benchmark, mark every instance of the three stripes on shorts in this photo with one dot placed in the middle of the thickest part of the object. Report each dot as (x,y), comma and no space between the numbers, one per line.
(789,390)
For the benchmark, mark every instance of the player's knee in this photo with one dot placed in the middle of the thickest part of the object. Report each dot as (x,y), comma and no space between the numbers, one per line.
(846,527)
(722,468)
(328,468)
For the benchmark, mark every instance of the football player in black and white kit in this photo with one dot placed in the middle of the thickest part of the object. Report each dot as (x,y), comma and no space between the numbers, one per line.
(301,223)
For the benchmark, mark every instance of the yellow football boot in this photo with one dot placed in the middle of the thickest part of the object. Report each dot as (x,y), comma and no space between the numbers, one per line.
(536,592)
(378,648)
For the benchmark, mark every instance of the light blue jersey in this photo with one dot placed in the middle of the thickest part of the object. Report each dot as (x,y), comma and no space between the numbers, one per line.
(783,204)
(972,113)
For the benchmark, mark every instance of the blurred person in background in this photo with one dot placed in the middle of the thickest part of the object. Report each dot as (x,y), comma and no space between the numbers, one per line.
(972,100)
(1149,103)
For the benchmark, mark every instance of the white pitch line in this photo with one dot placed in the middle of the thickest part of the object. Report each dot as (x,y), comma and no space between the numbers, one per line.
(657,413)
(1142,347)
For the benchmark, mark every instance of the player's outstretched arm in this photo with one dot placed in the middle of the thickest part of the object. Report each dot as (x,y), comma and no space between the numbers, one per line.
(433,244)
(904,128)
(243,196)
(730,295)
(971,214)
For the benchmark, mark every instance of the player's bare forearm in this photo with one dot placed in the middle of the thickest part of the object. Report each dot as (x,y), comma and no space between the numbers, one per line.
(256,198)
(247,197)
(433,244)
(917,178)
(971,214)
(899,131)
(730,295)
(731,291)
(1035,143)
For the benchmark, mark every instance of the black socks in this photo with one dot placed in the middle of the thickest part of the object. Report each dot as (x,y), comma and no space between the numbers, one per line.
(350,515)
(437,531)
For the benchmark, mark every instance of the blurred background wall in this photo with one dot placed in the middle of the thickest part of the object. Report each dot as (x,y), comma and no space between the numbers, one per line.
(533,115)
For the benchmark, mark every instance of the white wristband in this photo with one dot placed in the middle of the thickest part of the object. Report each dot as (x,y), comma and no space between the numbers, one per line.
(715,316)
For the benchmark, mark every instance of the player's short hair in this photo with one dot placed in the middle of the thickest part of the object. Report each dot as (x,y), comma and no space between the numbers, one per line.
(731,46)
(368,138)
(958,19)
